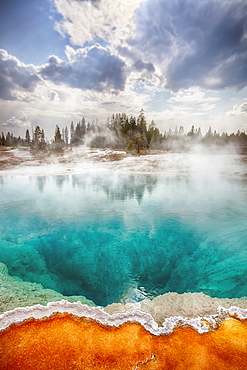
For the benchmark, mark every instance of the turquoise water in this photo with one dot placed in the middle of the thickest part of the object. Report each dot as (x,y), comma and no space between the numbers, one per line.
(113,237)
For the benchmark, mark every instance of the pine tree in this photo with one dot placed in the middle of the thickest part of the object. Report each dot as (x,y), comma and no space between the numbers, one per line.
(192,131)
(39,139)
(58,144)
(181,131)
(141,122)
(58,136)
(3,141)
(27,137)
(37,135)
(66,135)
(72,133)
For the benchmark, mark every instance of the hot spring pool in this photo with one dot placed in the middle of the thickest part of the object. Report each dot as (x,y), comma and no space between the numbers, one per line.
(122,237)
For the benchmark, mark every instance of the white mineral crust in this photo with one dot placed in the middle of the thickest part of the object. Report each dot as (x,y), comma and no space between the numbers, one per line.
(200,324)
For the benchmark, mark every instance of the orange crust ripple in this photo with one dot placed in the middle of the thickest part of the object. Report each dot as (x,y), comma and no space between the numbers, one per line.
(64,342)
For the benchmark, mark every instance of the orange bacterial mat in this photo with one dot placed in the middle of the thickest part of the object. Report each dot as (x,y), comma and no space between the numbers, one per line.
(64,342)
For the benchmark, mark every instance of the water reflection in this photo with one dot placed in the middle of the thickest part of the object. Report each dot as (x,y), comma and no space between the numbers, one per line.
(60,180)
(116,187)
(130,187)
(122,237)
(41,180)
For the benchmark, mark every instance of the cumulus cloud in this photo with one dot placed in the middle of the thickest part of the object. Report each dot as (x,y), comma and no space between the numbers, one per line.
(15,76)
(187,42)
(195,43)
(94,68)
(86,21)
(239,110)
(21,121)
(135,48)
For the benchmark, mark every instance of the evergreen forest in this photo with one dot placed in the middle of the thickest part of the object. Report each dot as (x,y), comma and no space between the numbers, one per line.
(132,134)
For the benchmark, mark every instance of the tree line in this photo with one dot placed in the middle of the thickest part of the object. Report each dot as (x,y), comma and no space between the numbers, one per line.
(122,132)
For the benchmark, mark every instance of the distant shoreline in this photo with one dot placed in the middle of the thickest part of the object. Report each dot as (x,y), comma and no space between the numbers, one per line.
(81,159)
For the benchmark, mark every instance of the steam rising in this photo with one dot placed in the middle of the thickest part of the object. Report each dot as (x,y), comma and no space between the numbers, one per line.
(113,227)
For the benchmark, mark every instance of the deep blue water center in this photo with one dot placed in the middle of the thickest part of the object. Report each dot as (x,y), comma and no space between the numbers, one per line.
(124,237)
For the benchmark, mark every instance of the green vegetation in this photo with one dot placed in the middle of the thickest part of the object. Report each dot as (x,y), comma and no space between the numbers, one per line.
(133,134)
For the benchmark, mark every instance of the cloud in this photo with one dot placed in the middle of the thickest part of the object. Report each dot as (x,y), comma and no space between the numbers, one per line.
(140,66)
(194,98)
(94,68)
(238,110)
(21,121)
(194,43)
(87,21)
(15,76)
(54,96)
(175,43)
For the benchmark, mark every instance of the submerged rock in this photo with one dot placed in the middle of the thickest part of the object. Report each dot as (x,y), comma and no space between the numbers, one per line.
(16,293)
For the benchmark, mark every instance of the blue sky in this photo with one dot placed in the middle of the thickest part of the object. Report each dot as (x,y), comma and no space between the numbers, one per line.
(183,61)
